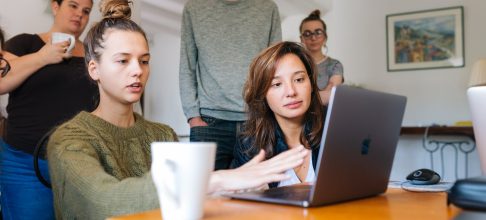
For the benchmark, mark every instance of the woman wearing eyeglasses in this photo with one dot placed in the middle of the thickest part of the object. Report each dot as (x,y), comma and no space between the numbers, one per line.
(314,37)
(47,85)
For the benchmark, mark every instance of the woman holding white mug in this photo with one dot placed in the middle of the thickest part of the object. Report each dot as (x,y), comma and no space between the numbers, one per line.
(47,85)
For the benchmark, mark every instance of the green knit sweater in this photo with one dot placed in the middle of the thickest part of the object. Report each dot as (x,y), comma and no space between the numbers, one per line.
(99,170)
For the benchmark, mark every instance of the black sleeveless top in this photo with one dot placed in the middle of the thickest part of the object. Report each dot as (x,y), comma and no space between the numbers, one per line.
(49,97)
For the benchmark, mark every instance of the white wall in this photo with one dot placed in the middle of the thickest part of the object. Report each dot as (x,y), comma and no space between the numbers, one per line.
(162,99)
(357,38)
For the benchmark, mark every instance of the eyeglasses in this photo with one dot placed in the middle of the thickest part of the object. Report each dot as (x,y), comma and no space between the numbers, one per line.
(4,67)
(308,34)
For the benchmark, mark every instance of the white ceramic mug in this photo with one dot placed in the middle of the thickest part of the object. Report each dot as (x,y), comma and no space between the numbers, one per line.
(181,171)
(61,37)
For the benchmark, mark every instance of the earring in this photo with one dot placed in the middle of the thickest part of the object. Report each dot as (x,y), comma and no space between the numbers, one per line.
(326,49)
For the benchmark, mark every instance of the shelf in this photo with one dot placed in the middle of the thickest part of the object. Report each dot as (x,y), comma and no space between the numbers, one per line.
(439,130)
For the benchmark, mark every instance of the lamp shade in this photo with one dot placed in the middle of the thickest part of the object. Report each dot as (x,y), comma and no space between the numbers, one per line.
(478,73)
(477,104)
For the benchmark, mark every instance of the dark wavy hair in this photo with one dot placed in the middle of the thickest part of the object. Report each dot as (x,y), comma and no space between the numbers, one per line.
(261,124)
(314,16)
(2,39)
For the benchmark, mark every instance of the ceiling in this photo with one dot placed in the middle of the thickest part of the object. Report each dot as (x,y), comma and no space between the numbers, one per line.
(166,15)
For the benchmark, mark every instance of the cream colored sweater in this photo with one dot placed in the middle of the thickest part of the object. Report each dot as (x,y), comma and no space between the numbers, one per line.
(99,170)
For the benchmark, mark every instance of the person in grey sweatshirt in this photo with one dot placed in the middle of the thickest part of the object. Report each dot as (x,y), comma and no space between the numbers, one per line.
(219,39)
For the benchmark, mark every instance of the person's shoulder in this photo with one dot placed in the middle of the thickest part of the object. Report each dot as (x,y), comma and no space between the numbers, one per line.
(19,41)
(23,36)
(151,124)
(244,143)
(163,131)
(333,62)
(160,127)
(20,44)
(243,151)
(195,4)
(71,128)
(335,65)
(72,135)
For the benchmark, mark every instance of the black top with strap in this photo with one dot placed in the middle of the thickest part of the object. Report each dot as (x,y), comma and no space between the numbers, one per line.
(49,97)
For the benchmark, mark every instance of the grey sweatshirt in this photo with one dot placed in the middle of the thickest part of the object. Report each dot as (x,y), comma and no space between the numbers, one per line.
(219,40)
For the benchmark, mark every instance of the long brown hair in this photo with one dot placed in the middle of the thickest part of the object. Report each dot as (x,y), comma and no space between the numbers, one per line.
(314,16)
(261,124)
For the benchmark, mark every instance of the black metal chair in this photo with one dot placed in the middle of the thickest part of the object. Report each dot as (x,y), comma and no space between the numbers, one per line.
(37,153)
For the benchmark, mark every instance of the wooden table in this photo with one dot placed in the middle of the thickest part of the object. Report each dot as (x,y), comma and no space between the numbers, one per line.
(394,204)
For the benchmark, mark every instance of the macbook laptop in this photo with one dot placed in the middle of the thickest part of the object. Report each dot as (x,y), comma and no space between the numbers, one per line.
(356,154)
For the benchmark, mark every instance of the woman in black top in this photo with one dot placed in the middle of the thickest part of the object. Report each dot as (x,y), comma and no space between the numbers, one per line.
(46,86)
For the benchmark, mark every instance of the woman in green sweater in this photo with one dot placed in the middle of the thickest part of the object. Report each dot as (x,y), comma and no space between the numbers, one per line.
(99,162)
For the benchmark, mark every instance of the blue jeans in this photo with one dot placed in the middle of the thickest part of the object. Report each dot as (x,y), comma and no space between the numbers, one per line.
(23,195)
(224,133)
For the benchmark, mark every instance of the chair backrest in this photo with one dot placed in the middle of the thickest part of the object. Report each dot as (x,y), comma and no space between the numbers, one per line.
(38,150)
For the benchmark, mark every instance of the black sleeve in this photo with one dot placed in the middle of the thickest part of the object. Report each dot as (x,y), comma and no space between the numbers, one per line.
(241,153)
(19,45)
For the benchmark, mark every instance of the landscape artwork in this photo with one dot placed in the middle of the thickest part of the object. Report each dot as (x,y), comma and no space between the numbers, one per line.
(426,39)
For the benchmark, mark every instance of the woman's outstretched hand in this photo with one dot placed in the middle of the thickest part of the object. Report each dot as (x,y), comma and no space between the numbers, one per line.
(257,172)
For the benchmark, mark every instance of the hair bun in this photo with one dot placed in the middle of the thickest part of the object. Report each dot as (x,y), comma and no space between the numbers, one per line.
(116,9)
(316,13)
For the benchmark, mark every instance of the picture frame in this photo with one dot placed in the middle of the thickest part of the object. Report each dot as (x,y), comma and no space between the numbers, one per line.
(426,39)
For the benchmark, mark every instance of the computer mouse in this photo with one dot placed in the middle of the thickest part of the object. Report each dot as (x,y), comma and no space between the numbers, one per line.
(423,177)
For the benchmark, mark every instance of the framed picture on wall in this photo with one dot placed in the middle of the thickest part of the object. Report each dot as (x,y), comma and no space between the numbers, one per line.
(425,39)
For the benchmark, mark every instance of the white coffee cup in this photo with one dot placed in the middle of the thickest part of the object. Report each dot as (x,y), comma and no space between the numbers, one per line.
(181,171)
(61,37)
